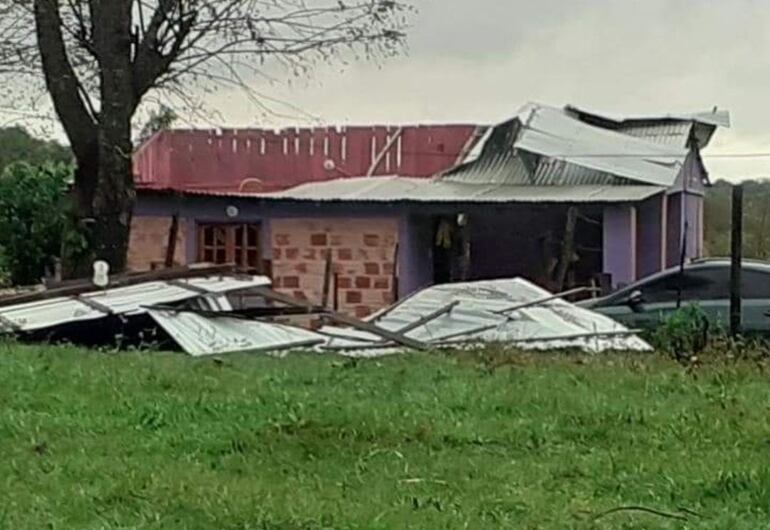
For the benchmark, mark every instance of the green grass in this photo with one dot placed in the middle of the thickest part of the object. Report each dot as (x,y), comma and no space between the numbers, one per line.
(92,440)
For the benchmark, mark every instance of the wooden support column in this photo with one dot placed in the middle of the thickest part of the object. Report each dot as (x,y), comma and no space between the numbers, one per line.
(736,256)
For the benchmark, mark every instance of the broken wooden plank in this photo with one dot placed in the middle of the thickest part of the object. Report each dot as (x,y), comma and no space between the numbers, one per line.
(429,317)
(549,298)
(188,287)
(85,286)
(344,319)
(394,336)
(93,304)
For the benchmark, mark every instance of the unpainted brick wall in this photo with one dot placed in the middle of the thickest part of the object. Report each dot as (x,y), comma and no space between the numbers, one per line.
(363,253)
(149,239)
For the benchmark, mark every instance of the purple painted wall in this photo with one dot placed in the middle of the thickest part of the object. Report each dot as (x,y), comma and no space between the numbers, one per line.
(619,243)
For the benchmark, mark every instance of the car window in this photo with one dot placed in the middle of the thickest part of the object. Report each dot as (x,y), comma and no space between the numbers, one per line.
(755,284)
(702,283)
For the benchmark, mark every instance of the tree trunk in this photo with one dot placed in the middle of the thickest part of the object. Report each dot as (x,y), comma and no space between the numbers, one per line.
(114,197)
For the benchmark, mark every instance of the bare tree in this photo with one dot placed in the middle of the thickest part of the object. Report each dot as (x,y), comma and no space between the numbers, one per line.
(101,58)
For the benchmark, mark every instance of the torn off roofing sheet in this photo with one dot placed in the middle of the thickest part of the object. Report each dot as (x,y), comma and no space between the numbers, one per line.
(506,311)
(128,301)
(200,335)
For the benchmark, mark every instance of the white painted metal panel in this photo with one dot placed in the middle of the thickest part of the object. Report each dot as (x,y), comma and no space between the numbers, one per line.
(200,335)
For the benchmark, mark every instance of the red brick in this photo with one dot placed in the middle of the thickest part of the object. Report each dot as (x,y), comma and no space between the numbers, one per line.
(337,268)
(292,253)
(345,254)
(318,240)
(372,269)
(301,268)
(300,295)
(335,240)
(344,283)
(387,268)
(363,282)
(389,240)
(291,282)
(282,240)
(277,253)
(353,297)
(371,240)
(382,283)
(363,311)
(387,297)
(309,253)
(362,254)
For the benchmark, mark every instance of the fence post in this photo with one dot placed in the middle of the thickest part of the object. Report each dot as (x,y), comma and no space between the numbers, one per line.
(736,256)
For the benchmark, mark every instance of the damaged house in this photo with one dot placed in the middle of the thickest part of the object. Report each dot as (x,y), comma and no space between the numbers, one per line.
(362,216)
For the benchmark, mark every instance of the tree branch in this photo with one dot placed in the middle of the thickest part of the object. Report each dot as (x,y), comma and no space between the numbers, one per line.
(61,79)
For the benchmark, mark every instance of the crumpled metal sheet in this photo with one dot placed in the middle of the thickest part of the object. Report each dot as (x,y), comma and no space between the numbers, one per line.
(480,317)
(129,301)
(200,335)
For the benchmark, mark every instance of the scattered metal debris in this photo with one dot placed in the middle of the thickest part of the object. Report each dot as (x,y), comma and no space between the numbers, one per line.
(514,312)
(192,308)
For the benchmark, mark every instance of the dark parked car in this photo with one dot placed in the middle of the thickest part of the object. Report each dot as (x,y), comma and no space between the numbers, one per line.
(705,282)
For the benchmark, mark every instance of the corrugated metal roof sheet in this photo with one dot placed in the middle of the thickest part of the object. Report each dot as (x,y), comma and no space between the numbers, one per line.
(415,190)
(702,124)
(485,311)
(206,335)
(124,300)
(674,134)
(551,132)
(548,146)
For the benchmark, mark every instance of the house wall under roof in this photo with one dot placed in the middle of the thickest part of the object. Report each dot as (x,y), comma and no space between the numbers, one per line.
(506,240)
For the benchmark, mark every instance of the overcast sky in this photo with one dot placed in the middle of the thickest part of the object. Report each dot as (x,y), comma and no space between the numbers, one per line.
(480,60)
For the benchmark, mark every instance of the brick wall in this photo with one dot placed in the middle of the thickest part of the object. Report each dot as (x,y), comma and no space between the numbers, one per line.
(362,256)
(149,239)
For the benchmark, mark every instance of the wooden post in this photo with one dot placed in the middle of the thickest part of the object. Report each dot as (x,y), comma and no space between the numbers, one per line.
(173,231)
(336,301)
(736,256)
(327,279)
(567,249)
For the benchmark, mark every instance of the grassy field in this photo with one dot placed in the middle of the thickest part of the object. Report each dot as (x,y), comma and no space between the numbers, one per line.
(91,440)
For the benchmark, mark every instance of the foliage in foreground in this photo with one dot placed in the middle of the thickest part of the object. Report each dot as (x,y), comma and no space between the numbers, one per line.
(33,213)
(486,440)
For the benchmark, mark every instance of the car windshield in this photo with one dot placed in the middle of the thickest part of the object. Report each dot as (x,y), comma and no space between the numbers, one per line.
(698,283)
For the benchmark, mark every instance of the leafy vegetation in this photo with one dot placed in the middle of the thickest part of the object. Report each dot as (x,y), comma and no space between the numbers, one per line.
(756,224)
(494,439)
(685,333)
(33,213)
(17,145)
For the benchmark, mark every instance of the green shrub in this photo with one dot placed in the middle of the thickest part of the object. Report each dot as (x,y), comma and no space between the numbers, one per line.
(685,333)
(33,211)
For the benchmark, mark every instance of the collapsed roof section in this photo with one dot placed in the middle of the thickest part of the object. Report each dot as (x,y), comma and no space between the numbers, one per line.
(197,316)
(545,145)
(677,129)
(513,311)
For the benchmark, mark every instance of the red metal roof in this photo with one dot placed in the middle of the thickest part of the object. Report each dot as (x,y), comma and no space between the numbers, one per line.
(262,160)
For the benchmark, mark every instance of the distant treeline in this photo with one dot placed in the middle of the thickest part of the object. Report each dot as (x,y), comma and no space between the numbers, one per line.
(17,145)
(756,221)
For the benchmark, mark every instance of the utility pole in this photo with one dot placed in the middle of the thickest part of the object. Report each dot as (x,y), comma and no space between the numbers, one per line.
(736,256)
